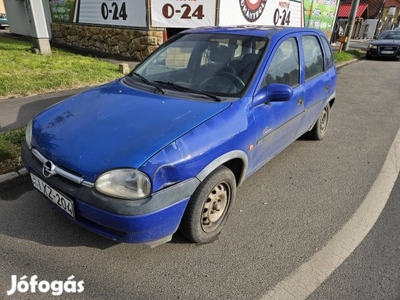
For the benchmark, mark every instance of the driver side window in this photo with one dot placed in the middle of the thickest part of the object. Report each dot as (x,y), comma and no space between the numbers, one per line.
(284,67)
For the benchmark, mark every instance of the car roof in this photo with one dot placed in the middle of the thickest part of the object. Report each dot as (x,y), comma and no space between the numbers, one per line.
(253,30)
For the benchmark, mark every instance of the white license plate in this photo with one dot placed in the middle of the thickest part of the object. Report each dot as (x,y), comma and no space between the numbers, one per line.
(60,200)
(387,52)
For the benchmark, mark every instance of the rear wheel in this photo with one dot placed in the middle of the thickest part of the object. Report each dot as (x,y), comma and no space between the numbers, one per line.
(209,206)
(318,132)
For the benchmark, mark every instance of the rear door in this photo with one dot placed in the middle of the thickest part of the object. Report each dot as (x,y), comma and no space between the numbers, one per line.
(330,67)
(316,79)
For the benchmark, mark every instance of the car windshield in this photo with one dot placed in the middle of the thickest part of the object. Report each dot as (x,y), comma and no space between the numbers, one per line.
(390,35)
(218,65)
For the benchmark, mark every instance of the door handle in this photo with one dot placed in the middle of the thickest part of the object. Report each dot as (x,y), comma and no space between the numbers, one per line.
(326,88)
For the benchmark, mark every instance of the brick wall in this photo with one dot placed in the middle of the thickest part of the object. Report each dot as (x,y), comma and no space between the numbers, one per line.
(132,44)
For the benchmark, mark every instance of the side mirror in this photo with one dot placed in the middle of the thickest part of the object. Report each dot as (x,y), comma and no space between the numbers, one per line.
(274,92)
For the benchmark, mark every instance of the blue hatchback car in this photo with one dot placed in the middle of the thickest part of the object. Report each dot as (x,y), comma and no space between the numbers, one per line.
(165,147)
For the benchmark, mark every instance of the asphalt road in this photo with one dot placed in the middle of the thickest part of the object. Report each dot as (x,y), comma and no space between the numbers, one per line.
(284,214)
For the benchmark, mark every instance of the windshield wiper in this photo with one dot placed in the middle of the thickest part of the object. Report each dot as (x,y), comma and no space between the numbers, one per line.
(186,89)
(148,82)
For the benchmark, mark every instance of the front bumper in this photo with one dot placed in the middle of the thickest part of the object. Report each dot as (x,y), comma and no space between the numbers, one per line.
(379,52)
(141,221)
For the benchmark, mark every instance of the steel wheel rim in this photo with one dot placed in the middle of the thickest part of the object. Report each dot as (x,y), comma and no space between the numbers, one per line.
(215,206)
(323,120)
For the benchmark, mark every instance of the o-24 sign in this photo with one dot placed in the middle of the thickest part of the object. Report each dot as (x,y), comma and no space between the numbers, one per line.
(185,11)
(113,12)
(261,12)
(184,14)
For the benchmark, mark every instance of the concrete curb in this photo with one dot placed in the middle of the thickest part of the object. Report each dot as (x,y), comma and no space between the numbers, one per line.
(13,175)
(340,65)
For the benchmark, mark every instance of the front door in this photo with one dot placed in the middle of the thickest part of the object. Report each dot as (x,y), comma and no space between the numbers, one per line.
(277,122)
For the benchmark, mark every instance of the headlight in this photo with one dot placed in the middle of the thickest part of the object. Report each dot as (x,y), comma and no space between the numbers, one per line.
(128,184)
(28,134)
(370,46)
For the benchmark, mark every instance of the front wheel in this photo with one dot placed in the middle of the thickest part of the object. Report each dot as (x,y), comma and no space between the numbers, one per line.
(209,206)
(318,132)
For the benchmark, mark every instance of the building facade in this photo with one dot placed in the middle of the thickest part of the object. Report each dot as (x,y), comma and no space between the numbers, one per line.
(133,29)
(372,17)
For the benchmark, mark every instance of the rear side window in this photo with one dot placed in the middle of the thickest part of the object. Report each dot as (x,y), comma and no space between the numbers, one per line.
(328,52)
(313,57)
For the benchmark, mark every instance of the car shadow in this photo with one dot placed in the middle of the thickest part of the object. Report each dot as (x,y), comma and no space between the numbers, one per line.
(27,215)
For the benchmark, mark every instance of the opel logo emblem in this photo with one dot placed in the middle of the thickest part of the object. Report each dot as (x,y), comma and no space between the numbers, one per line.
(48,169)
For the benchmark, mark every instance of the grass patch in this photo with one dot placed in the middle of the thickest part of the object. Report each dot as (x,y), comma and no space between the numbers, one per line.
(25,73)
(10,147)
(348,55)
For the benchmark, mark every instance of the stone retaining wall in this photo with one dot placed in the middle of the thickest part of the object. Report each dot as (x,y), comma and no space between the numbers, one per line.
(127,43)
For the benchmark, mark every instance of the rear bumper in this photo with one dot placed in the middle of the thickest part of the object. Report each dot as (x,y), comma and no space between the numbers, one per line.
(144,221)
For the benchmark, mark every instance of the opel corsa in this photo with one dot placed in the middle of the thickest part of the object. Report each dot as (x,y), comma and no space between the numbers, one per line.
(165,147)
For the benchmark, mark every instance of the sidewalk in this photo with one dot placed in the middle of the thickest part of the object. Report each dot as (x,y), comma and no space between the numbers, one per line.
(354,44)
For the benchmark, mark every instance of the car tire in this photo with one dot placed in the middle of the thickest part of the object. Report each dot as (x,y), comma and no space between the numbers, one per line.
(209,206)
(318,131)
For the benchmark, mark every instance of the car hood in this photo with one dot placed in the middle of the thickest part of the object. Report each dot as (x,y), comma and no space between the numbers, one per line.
(386,42)
(115,126)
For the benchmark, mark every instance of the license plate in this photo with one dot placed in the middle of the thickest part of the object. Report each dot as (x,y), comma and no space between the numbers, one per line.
(387,52)
(59,199)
